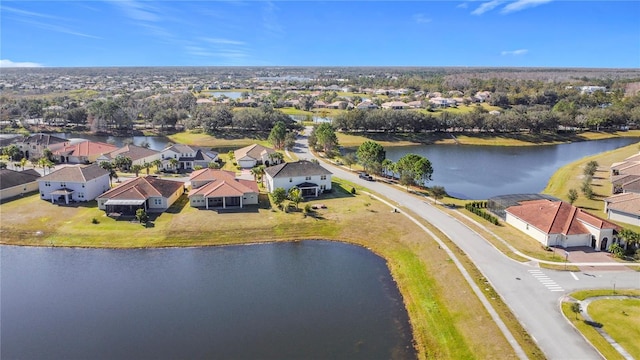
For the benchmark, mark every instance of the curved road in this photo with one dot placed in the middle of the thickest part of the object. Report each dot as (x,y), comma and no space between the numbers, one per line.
(533,294)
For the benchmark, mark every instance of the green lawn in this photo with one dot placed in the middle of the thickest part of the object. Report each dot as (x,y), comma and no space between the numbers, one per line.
(621,320)
(445,324)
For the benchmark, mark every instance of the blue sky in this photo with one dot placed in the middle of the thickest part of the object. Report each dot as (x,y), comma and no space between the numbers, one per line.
(538,33)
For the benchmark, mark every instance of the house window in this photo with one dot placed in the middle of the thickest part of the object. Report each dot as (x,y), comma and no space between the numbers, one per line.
(527,226)
(81,195)
(157,201)
(290,179)
(47,183)
(323,177)
(322,187)
(82,185)
(63,184)
(307,178)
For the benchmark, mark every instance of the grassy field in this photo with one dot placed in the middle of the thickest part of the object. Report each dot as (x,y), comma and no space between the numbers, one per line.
(353,140)
(621,320)
(623,327)
(571,177)
(223,141)
(448,321)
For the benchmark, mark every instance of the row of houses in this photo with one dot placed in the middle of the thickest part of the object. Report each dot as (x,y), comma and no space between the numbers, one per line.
(209,188)
(624,204)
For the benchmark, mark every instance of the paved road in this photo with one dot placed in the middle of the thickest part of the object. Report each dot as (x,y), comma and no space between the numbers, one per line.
(533,294)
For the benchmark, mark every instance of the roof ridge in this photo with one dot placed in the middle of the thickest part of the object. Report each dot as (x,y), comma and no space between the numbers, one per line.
(570,218)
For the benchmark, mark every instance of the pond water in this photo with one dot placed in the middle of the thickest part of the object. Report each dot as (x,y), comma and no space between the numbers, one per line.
(480,172)
(311,299)
(155,142)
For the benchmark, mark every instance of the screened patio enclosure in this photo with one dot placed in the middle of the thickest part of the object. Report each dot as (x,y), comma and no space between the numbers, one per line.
(124,207)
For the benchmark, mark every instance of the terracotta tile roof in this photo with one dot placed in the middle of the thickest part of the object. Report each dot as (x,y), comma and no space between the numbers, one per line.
(79,173)
(43,139)
(295,169)
(254,151)
(624,178)
(557,217)
(85,148)
(627,203)
(10,178)
(635,157)
(632,185)
(222,183)
(143,188)
(629,168)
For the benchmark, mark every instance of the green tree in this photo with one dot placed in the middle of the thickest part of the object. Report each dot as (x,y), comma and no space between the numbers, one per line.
(438,192)
(616,250)
(295,196)
(111,169)
(278,135)
(573,196)
(416,167)
(276,158)
(12,151)
(326,138)
(123,163)
(258,172)
(279,195)
(290,140)
(173,163)
(157,163)
(349,159)
(3,165)
(632,238)
(146,166)
(591,168)
(23,162)
(575,307)
(387,167)
(142,216)
(370,153)
(136,169)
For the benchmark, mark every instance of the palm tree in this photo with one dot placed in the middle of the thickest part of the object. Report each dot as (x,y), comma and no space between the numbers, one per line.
(136,169)
(276,158)
(146,166)
(258,172)
(23,162)
(112,171)
(174,163)
(157,163)
(295,195)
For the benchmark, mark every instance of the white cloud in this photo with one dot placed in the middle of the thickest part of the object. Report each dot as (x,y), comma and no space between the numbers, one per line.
(463,5)
(223,41)
(514,52)
(522,4)
(487,6)
(27,13)
(421,19)
(9,63)
(137,10)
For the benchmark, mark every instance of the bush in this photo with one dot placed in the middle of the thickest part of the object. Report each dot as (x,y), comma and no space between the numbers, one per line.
(475,207)
(353,190)
(95,221)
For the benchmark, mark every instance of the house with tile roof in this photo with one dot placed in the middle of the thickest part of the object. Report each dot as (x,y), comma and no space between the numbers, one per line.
(187,157)
(311,178)
(215,189)
(82,152)
(74,183)
(17,183)
(623,207)
(558,223)
(146,192)
(395,105)
(252,155)
(139,155)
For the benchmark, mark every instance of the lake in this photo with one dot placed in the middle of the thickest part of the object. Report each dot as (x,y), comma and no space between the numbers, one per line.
(480,172)
(310,299)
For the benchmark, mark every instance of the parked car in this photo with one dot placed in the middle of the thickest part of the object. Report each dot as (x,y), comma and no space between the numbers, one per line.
(364,175)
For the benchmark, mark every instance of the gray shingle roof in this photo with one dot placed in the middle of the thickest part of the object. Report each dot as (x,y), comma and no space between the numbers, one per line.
(11,178)
(294,169)
(79,174)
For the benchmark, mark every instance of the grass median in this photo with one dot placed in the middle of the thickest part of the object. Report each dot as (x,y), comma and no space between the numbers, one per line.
(448,321)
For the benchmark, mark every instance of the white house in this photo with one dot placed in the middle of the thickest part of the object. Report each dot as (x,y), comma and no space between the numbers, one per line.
(252,155)
(221,189)
(74,183)
(557,223)
(186,157)
(149,193)
(624,208)
(311,178)
(17,183)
